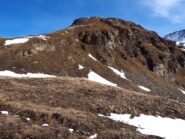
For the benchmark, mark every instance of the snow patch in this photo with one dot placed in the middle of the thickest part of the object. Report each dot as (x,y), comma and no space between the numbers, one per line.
(45,125)
(101,115)
(28,119)
(23,40)
(71,130)
(181,44)
(92,57)
(167,128)
(183,49)
(7,73)
(80,67)
(144,88)
(93,136)
(39,37)
(97,78)
(121,74)
(16,41)
(182,91)
(4,112)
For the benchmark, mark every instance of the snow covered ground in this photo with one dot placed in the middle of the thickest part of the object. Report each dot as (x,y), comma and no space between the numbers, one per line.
(71,130)
(181,44)
(121,74)
(182,91)
(7,73)
(43,37)
(23,40)
(28,119)
(4,112)
(93,136)
(80,67)
(16,41)
(97,78)
(92,57)
(45,125)
(144,88)
(150,125)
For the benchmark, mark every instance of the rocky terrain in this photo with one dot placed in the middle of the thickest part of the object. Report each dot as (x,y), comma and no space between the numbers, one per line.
(147,72)
(144,57)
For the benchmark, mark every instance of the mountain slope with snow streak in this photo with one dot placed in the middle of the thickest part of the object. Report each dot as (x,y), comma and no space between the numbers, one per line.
(45,107)
(120,51)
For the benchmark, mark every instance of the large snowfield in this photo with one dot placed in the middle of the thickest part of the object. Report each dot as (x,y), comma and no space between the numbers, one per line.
(167,128)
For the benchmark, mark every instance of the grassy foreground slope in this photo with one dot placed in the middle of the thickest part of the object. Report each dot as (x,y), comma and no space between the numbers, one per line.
(74,103)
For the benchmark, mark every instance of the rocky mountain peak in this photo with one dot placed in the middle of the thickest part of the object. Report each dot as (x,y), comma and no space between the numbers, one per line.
(105,46)
(84,20)
(111,67)
(110,21)
(176,36)
(107,34)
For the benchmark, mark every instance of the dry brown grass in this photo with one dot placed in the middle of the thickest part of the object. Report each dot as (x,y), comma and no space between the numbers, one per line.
(75,103)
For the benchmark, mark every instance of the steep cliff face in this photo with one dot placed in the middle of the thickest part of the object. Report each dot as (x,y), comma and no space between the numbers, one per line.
(98,44)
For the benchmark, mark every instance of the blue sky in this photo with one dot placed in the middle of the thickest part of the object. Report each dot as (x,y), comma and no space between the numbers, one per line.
(24,17)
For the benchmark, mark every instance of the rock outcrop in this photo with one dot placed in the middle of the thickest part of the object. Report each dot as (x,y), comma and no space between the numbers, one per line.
(145,58)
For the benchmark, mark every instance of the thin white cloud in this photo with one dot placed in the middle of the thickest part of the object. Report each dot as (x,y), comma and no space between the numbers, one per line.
(171,9)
